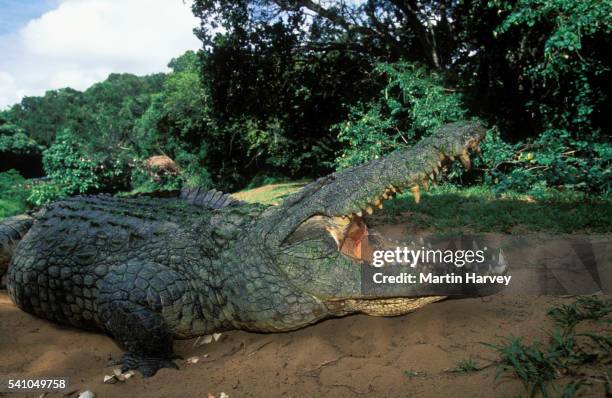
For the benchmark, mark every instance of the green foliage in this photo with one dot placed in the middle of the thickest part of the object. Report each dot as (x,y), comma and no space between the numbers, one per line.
(367,134)
(178,123)
(71,166)
(18,144)
(13,194)
(412,105)
(41,194)
(295,89)
(146,179)
(571,151)
(534,364)
(553,160)
(102,116)
(273,103)
(41,117)
(566,66)
(14,141)
(17,150)
(193,171)
(421,96)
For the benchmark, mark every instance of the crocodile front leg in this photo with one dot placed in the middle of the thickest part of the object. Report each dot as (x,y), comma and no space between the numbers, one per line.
(143,334)
(141,305)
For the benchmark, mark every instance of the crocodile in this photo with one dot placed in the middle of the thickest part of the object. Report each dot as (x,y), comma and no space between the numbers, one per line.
(147,270)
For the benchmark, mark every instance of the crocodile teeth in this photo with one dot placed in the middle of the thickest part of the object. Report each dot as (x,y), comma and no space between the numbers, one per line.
(392,188)
(416,192)
(425,184)
(465,160)
(379,205)
(369,210)
(432,176)
(359,213)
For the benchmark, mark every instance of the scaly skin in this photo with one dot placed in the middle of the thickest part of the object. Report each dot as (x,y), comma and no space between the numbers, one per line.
(147,270)
(12,230)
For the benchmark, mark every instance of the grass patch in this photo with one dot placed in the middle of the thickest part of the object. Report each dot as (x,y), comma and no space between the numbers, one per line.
(567,351)
(477,209)
(271,194)
(11,207)
(585,308)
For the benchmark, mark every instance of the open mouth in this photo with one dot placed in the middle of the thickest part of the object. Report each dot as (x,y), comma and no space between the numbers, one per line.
(351,231)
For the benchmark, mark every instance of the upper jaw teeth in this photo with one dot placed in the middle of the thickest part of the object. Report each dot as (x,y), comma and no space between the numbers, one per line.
(465,160)
(392,189)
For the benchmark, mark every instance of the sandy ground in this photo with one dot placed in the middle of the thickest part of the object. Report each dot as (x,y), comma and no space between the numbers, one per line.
(406,356)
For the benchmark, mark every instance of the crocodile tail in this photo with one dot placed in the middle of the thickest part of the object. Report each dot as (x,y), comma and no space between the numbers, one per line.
(12,230)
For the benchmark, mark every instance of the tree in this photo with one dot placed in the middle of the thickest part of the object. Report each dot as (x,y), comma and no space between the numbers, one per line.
(537,70)
(178,123)
(18,151)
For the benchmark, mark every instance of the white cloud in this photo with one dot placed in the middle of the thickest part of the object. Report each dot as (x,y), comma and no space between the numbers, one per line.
(81,41)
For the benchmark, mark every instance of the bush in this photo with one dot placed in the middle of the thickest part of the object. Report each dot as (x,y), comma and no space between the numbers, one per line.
(554,160)
(44,193)
(193,173)
(144,180)
(568,71)
(18,144)
(415,103)
(13,193)
(68,163)
(412,105)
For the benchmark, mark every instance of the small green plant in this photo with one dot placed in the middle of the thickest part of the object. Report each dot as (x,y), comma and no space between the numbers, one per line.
(568,390)
(585,308)
(466,366)
(531,363)
(538,364)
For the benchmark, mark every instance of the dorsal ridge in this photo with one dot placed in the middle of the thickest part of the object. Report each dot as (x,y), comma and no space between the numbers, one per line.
(209,198)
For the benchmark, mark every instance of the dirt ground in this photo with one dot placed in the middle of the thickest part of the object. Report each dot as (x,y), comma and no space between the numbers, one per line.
(406,356)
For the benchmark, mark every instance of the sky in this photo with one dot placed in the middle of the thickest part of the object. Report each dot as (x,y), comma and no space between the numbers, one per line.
(51,44)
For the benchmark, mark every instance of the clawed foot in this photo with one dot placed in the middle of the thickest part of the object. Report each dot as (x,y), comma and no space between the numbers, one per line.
(148,366)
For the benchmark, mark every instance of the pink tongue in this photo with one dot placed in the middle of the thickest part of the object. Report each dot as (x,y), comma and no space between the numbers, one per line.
(356,243)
